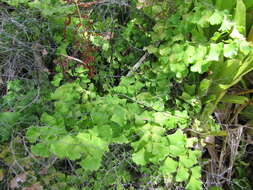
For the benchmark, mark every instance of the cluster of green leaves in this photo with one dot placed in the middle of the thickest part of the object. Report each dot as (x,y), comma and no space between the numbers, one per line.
(83,124)
(21,107)
(113,174)
(196,40)
(121,45)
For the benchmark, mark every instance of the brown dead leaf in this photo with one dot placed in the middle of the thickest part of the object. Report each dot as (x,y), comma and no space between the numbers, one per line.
(108,35)
(143,3)
(33,187)
(43,171)
(21,178)
(44,52)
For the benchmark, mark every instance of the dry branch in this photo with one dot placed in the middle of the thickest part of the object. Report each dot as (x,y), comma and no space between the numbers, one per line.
(137,65)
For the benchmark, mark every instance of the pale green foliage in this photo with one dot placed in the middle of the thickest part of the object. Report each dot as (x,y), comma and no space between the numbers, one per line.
(105,120)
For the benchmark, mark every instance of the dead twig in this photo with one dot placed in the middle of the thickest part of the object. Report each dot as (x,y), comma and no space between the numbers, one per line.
(72,58)
(137,65)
